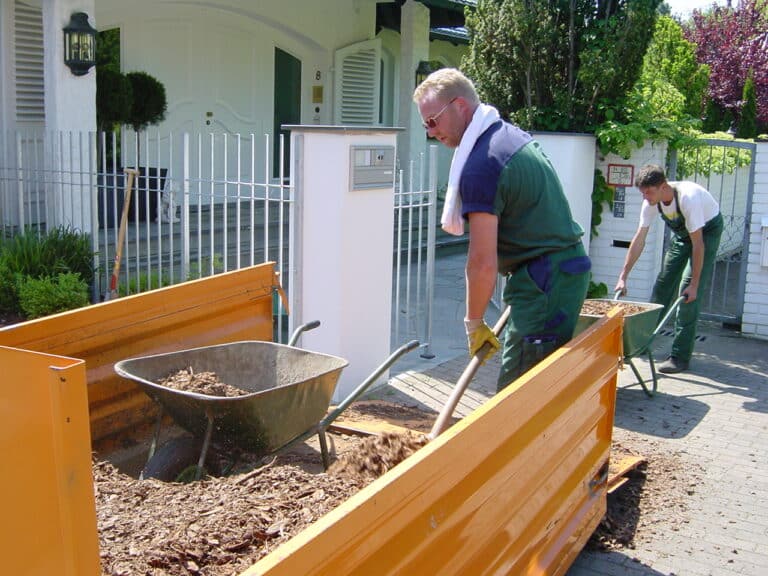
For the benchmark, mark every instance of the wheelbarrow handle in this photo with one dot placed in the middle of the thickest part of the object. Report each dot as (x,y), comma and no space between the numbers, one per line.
(303,328)
(405,348)
(669,313)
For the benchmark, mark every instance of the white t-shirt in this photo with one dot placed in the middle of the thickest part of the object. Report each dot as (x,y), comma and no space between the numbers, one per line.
(696,204)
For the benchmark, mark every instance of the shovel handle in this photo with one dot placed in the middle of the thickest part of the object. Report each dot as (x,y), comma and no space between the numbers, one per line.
(466,377)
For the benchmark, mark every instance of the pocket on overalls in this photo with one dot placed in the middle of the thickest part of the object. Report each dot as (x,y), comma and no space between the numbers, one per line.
(535,348)
(577,265)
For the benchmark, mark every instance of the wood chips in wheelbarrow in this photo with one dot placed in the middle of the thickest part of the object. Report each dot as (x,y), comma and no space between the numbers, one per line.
(600,307)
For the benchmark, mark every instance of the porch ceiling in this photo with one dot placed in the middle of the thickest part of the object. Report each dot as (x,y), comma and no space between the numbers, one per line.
(446,18)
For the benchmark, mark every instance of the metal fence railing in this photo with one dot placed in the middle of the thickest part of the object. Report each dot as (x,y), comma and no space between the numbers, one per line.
(200,204)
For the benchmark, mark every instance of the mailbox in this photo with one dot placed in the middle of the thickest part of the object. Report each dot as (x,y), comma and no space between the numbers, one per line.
(372,167)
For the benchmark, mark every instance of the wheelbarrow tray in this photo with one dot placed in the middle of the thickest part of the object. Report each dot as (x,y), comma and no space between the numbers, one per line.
(290,390)
(638,327)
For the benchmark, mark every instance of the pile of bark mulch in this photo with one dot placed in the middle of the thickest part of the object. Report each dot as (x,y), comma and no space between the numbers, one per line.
(655,500)
(376,455)
(215,526)
(208,383)
(601,307)
(221,526)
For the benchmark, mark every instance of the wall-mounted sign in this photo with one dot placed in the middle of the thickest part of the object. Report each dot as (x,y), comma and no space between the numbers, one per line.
(619,194)
(620,174)
(618,209)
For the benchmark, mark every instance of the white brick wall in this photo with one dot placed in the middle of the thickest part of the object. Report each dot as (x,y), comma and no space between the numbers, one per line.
(755,317)
(607,259)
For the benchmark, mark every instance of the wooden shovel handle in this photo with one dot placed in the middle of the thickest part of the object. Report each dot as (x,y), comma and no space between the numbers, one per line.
(466,377)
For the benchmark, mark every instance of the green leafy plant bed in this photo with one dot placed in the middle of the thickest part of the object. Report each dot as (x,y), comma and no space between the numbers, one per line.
(43,273)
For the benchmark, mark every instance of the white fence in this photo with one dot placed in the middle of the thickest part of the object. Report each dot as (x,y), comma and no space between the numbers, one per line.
(201,204)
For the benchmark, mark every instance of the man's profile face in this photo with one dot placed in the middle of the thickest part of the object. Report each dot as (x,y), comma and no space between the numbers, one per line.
(652,194)
(442,119)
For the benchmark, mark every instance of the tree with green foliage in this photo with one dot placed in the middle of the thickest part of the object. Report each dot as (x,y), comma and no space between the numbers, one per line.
(672,83)
(564,65)
(747,127)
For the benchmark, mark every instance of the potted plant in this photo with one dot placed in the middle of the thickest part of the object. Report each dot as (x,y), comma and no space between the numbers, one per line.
(148,107)
(138,100)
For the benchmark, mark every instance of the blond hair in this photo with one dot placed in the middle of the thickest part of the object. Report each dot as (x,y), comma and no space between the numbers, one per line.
(447,83)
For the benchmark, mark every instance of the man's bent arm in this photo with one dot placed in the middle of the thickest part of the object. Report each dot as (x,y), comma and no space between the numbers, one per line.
(482,266)
(636,247)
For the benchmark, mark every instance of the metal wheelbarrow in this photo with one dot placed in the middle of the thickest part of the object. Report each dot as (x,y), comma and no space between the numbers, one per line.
(289,392)
(639,330)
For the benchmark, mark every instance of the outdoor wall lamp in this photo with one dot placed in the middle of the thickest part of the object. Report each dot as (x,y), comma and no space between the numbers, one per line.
(79,44)
(422,71)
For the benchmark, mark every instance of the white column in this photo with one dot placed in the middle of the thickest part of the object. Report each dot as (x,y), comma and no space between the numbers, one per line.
(414,47)
(70,120)
(70,101)
(755,317)
(343,242)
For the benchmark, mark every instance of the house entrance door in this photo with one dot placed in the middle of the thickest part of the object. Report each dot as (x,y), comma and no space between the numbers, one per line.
(287,106)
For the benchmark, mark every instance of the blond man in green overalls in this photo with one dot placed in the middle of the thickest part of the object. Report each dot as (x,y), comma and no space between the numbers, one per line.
(693,216)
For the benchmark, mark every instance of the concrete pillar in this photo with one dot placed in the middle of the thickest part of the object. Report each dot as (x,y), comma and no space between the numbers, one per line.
(755,317)
(70,101)
(414,47)
(342,237)
(70,120)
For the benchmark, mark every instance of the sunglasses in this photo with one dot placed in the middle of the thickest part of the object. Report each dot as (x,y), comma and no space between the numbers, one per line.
(431,122)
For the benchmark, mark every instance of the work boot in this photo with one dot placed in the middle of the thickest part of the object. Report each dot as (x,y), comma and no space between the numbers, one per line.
(673,365)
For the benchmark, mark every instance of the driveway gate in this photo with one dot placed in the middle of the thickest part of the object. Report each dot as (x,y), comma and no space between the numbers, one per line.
(726,168)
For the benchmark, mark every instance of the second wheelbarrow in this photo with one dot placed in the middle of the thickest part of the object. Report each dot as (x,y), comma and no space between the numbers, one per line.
(640,328)
(288,393)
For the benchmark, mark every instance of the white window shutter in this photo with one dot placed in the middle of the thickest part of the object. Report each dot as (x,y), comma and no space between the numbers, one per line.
(356,84)
(28,64)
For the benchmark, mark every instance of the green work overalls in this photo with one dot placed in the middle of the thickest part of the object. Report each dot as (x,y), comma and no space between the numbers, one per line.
(545,295)
(676,267)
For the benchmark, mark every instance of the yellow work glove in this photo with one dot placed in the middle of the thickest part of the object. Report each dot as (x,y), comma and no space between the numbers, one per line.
(478,334)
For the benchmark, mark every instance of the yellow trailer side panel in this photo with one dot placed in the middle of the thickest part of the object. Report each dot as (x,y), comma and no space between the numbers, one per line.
(517,487)
(49,516)
(223,308)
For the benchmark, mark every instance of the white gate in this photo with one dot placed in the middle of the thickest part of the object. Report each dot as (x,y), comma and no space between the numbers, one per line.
(727,169)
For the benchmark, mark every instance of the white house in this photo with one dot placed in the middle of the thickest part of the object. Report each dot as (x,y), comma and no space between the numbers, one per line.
(236,66)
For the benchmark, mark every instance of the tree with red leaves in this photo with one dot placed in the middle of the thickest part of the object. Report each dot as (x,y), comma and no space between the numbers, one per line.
(734,43)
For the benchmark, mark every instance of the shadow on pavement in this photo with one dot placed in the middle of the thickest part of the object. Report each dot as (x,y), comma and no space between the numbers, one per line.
(664,415)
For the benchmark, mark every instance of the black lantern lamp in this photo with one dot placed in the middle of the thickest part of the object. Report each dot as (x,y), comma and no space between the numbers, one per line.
(79,44)
(422,71)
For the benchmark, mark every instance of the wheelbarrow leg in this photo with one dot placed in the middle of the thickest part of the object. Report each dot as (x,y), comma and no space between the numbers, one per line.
(639,376)
(156,435)
(323,447)
(206,445)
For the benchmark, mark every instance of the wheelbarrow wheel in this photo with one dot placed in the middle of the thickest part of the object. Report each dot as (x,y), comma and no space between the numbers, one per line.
(176,461)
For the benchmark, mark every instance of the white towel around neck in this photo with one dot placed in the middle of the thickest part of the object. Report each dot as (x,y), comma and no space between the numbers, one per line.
(451,219)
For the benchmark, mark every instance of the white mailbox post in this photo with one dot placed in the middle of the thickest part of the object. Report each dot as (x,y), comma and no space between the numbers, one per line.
(343,241)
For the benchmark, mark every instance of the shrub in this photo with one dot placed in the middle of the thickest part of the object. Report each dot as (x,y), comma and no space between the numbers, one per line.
(61,250)
(8,299)
(50,294)
(32,255)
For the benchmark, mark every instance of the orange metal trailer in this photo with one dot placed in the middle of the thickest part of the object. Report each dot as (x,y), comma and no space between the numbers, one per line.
(517,487)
